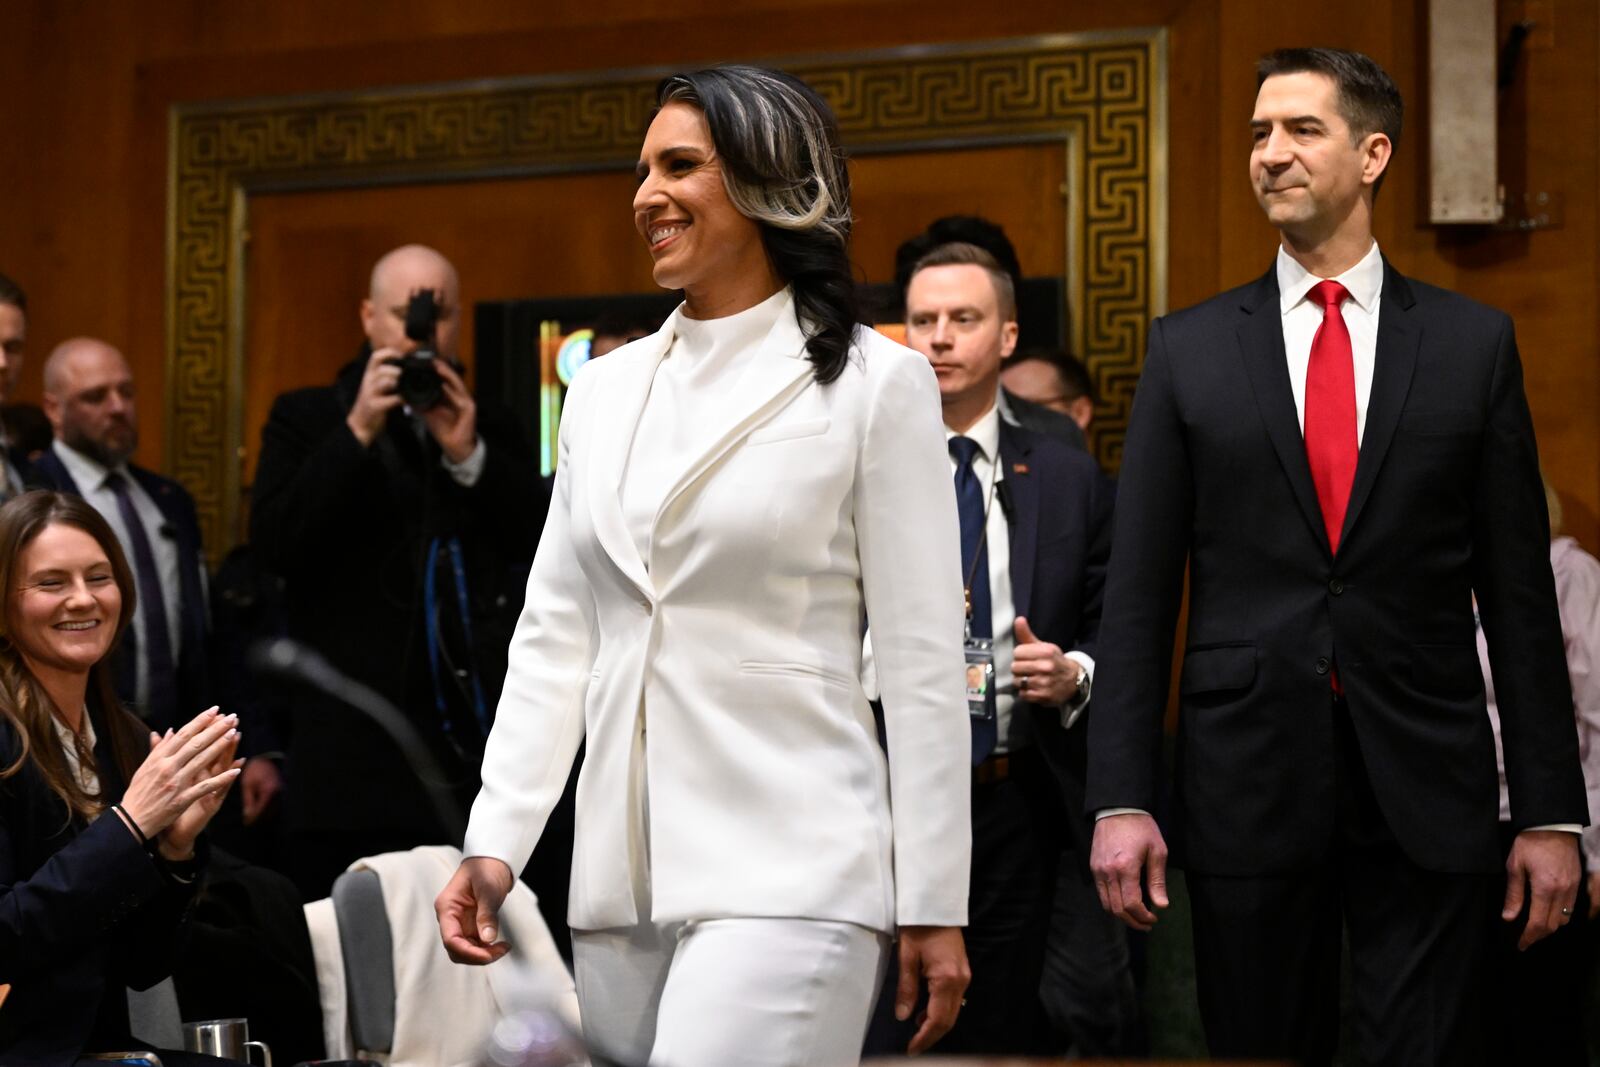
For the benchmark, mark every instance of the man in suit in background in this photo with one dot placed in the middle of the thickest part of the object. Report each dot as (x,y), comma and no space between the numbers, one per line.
(403,537)
(1035,537)
(980,232)
(1055,380)
(162,665)
(13,344)
(1344,456)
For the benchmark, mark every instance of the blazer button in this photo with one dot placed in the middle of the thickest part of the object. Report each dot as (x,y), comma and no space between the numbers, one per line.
(1323,666)
(1335,586)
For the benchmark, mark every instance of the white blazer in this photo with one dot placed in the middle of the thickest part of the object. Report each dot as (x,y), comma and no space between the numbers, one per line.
(731,752)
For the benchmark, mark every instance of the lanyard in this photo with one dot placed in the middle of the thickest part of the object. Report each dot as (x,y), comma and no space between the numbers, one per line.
(431,611)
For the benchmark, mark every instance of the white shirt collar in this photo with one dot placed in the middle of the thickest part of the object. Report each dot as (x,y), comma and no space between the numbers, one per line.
(986,432)
(1364,281)
(87,472)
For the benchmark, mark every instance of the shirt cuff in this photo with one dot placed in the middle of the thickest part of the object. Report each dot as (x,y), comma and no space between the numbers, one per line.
(1106,813)
(1561,827)
(1073,709)
(468,471)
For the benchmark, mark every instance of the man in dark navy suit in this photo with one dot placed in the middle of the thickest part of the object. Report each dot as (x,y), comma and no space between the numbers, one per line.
(1343,457)
(162,663)
(1035,528)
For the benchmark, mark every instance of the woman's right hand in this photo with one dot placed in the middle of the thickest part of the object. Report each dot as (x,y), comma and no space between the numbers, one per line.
(177,772)
(469,910)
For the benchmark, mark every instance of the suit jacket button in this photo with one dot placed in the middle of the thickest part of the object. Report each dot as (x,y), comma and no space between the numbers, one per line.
(1335,586)
(1323,666)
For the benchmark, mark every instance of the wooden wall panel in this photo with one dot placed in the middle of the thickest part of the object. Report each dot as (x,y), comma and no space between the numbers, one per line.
(89,86)
(309,253)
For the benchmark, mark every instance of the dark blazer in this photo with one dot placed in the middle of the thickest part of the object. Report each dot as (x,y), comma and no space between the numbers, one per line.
(193,682)
(84,914)
(1060,512)
(1047,421)
(347,527)
(1446,501)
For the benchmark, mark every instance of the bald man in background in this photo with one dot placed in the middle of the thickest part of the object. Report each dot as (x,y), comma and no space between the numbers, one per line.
(403,538)
(161,667)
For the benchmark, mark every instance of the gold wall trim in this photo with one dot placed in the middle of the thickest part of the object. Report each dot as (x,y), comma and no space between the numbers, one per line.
(1102,95)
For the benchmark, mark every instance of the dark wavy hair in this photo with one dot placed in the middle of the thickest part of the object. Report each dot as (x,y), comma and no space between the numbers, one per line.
(783,168)
(24,703)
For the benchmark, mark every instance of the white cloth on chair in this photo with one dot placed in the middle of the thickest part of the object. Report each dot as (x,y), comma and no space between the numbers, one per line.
(444,1012)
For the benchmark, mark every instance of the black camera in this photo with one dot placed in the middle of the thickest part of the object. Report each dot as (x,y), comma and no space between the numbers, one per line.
(420,385)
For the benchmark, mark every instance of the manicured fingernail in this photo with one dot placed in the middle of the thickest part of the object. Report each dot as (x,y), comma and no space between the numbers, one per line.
(230,734)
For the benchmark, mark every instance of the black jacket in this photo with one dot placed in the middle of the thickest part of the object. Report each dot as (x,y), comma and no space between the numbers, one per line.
(85,913)
(1446,502)
(347,529)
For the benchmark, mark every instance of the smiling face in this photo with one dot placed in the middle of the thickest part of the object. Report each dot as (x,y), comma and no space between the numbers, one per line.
(698,240)
(1310,176)
(63,611)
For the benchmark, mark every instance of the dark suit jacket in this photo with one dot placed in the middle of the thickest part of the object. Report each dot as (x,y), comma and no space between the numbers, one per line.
(193,683)
(1060,518)
(84,914)
(1446,501)
(1043,420)
(347,528)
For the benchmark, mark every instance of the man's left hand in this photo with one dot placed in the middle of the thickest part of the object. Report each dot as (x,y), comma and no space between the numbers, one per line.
(453,421)
(1544,867)
(1042,672)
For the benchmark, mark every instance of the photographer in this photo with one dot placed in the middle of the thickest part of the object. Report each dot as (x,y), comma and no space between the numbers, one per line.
(402,515)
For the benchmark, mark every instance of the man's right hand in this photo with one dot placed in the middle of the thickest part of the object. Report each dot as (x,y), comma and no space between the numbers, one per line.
(469,910)
(379,395)
(1125,848)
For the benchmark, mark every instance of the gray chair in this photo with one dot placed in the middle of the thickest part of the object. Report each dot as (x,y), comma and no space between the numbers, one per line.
(368,951)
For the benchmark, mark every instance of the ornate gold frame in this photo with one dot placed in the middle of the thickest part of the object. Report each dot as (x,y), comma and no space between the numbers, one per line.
(1103,95)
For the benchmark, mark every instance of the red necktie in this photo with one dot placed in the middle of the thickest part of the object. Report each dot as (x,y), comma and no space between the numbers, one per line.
(1331,410)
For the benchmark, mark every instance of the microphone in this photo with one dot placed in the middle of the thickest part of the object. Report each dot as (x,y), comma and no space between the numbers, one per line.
(1002,490)
(287,659)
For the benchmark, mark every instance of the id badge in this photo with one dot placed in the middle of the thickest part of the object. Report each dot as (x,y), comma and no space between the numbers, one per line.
(980,676)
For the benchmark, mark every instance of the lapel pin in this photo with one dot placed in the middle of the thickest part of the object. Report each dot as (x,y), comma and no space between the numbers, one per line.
(1019,468)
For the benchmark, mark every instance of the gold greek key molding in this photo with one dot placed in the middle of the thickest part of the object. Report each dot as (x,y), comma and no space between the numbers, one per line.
(1102,96)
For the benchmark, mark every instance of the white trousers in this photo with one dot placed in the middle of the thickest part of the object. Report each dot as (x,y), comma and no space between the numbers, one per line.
(729,992)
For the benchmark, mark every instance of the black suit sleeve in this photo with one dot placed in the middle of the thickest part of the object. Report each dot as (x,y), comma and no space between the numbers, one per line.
(1144,587)
(509,499)
(1517,605)
(308,487)
(1096,561)
(78,896)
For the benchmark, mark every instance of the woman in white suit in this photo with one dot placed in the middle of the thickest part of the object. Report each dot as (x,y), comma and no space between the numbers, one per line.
(734,495)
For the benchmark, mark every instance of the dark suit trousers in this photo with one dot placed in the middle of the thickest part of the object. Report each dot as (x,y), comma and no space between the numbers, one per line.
(1015,842)
(1421,946)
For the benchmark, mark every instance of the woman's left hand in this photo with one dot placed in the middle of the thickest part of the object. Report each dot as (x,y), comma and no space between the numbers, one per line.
(1041,672)
(176,842)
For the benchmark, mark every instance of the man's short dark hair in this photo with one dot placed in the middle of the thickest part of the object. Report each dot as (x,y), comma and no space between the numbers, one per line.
(958,229)
(1368,100)
(1074,376)
(11,293)
(958,254)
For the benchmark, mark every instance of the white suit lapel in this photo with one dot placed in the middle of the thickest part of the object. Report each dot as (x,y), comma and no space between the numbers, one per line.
(778,371)
(626,389)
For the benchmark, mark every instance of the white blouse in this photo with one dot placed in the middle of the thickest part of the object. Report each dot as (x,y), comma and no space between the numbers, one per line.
(700,370)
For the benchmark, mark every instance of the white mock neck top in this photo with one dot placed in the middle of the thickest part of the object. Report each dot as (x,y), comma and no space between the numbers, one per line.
(702,367)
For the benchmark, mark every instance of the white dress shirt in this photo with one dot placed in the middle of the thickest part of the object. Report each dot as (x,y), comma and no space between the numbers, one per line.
(90,477)
(1302,317)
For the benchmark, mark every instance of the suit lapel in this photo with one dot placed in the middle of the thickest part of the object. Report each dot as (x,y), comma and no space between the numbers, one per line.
(627,388)
(775,373)
(1267,367)
(1022,490)
(1393,364)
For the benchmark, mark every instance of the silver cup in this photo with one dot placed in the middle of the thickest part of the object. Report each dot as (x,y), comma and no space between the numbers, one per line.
(228,1038)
